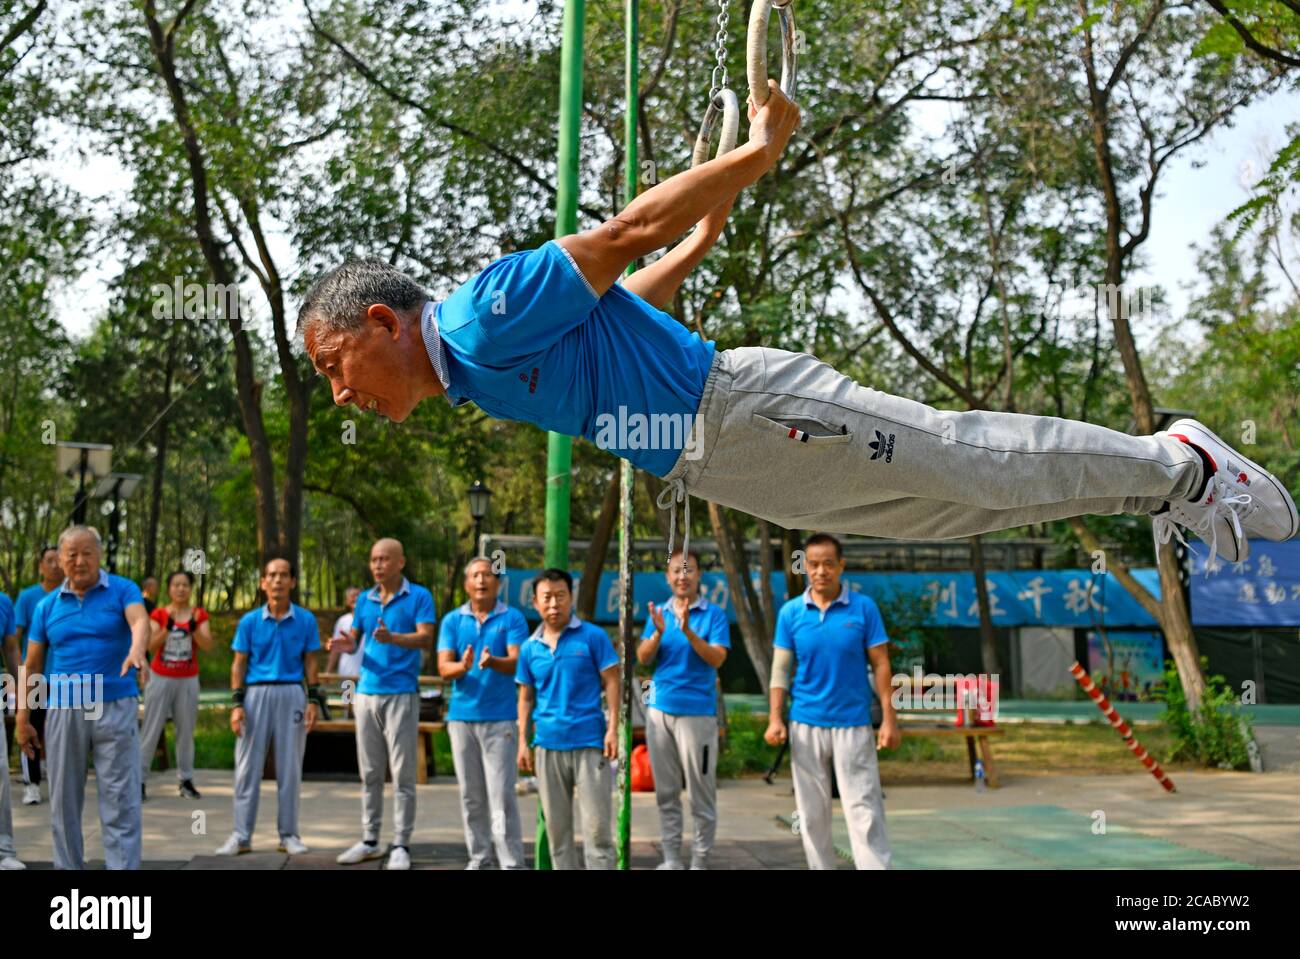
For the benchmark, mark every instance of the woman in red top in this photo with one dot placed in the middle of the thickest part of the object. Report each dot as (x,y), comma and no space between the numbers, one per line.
(179,632)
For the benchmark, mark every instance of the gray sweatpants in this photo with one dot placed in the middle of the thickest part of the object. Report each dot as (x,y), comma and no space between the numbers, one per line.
(684,747)
(388,729)
(561,772)
(114,740)
(888,466)
(486,767)
(178,700)
(852,750)
(6,808)
(272,712)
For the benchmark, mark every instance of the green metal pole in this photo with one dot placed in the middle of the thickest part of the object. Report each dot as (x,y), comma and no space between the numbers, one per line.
(626,480)
(559,448)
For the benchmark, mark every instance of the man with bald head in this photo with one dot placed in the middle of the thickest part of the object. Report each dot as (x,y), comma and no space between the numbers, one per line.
(394,621)
(88,638)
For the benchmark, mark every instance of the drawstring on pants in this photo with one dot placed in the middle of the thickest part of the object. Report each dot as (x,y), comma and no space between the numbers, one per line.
(674,492)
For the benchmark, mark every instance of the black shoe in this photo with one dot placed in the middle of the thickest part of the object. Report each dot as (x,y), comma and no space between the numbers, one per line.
(144,796)
(187,790)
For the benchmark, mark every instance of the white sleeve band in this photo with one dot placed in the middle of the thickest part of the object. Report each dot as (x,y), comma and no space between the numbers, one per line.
(782,667)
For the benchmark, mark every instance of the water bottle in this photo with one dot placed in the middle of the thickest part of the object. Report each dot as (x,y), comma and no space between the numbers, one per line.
(980,785)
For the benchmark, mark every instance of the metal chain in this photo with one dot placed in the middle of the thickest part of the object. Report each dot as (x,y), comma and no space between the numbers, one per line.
(721,53)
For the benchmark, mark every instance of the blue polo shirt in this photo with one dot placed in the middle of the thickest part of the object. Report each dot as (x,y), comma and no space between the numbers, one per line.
(527,339)
(275,647)
(24,608)
(85,637)
(684,684)
(8,621)
(483,695)
(567,714)
(386,668)
(830,685)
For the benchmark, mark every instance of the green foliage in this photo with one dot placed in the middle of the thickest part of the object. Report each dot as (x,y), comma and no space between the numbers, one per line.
(1217,733)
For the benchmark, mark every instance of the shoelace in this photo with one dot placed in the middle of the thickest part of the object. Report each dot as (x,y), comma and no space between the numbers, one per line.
(674,492)
(1225,503)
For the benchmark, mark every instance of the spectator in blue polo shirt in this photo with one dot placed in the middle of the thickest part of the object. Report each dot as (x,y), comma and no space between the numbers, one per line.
(829,636)
(274,648)
(8,856)
(394,622)
(87,639)
(51,575)
(688,641)
(561,670)
(478,647)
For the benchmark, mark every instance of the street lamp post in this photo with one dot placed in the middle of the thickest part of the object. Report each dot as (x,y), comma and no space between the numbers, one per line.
(83,460)
(479,498)
(114,488)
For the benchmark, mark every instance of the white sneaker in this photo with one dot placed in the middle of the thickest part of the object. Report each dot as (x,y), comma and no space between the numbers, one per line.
(399,859)
(31,795)
(670,865)
(699,864)
(233,847)
(292,845)
(10,864)
(1216,517)
(361,852)
(1271,513)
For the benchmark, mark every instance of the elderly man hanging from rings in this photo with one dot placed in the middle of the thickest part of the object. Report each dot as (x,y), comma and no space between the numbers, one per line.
(549,336)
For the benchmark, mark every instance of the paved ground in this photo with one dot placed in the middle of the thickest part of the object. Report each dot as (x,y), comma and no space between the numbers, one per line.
(1215,820)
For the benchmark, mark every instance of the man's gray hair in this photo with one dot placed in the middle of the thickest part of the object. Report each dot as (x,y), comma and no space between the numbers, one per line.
(77,531)
(337,302)
(482,559)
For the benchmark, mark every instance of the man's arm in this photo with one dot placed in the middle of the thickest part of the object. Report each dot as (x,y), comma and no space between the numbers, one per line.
(669,209)
(657,284)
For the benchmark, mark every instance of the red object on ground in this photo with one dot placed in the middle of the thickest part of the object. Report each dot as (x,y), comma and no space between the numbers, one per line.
(1084,680)
(643,780)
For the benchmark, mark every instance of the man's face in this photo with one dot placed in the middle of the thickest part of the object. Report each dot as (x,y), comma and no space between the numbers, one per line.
(824,568)
(685,583)
(386,562)
(277,580)
(553,603)
(481,584)
(369,368)
(79,560)
(150,587)
(352,595)
(51,571)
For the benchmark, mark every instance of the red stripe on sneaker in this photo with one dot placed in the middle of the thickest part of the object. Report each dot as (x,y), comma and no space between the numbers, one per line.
(793,432)
(1197,446)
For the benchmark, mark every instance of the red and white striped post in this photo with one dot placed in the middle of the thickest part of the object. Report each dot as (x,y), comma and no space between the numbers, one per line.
(1097,696)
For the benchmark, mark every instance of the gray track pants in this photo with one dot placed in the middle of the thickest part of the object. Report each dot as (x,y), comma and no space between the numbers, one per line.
(787,438)
(852,750)
(684,747)
(178,700)
(272,712)
(486,766)
(561,772)
(388,729)
(114,740)
(6,807)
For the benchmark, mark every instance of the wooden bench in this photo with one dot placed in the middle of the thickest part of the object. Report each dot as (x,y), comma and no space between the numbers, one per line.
(973,735)
(424,754)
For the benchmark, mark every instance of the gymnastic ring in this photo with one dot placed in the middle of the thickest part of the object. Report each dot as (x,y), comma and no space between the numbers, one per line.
(756,57)
(723,104)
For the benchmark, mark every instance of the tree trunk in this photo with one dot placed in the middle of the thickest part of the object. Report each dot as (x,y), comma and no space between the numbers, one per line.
(988,638)
(589,587)
(749,617)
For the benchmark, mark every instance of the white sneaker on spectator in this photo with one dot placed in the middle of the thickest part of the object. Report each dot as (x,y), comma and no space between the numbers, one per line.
(292,845)
(31,795)
(10,864)
(361,852)
(399,859)
(233,847)
(671,865)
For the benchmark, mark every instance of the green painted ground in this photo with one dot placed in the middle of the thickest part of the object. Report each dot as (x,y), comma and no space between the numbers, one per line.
(1024,837)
